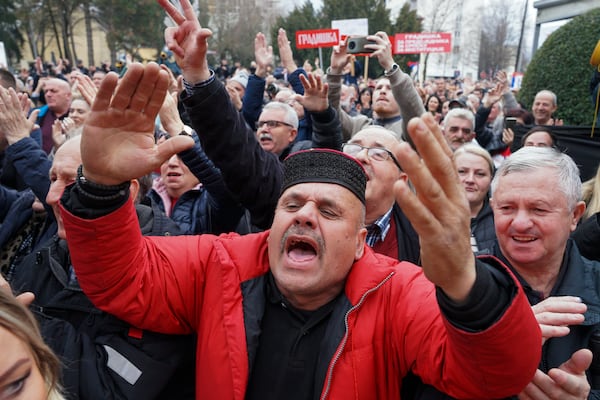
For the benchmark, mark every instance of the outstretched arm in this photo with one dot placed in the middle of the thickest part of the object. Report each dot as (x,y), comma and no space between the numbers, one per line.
(188,41)
(23,153)
(326,126)
(253,97)
(439,210)
(117,142)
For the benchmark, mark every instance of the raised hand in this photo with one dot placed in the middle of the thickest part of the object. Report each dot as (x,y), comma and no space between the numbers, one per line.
(58,137)
(285,51)
(493,95)
(86,88)
(383,49)
(502,78)
(508,136)
(169,113)
(234,95)
(14,126)
(188,41)
(315,93)
(439,210)
(567,382)
(117,142)
(173,84)
(339,58)
(556,313)
(263,55)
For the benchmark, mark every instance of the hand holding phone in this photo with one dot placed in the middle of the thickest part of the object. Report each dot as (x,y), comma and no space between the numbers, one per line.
(356,45)
(510,122)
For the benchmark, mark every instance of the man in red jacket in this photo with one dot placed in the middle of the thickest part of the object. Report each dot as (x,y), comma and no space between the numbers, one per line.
(304,310)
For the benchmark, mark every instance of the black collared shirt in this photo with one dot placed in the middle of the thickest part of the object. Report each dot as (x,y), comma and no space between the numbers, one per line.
(288,350)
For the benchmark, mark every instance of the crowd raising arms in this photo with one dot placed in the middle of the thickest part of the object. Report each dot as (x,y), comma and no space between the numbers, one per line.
(118,145)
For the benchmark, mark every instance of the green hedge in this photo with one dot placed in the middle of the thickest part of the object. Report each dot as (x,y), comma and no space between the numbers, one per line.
(562,66)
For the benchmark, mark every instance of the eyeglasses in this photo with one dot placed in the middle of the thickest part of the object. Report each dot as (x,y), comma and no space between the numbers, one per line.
(374,153)
(271,124)
(454,129)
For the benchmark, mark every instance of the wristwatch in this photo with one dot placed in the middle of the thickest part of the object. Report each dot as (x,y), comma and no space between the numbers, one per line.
(187,131)
(390,71)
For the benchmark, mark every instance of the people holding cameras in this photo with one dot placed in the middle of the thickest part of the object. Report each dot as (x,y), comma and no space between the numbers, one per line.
(395,99)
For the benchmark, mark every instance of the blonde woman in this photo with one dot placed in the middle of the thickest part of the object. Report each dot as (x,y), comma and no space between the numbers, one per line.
(476,169)
(591,195)
(28,368)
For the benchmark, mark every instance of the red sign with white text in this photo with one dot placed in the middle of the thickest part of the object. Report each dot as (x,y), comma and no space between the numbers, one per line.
(317,38)
(429,42)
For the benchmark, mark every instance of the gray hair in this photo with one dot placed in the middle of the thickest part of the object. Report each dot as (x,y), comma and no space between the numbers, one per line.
(291,117)
(533,158)
(549,93)
(461,113)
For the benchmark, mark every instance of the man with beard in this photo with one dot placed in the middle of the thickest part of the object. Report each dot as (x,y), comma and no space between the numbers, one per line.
(395,98)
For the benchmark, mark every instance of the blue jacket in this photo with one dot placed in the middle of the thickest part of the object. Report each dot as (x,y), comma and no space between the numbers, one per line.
(31,165)
(209,208)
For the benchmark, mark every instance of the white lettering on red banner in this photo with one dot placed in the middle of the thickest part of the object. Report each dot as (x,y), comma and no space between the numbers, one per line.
(317,38)
(415,43)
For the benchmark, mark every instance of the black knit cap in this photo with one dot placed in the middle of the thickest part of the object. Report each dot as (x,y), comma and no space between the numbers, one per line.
(325,166)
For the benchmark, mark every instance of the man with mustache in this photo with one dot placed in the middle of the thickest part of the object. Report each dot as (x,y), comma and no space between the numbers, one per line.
(304,310)
(277,128)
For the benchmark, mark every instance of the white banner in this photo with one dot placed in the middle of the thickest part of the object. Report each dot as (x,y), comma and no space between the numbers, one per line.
(351,27)
(3,59)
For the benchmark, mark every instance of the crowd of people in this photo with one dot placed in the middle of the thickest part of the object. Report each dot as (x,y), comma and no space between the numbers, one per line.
(337,237)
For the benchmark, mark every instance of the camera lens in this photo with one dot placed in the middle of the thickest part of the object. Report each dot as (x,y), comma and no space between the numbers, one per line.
(351,45)
(272,89)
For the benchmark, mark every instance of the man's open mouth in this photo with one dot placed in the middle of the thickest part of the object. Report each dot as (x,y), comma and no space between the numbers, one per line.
(301,250)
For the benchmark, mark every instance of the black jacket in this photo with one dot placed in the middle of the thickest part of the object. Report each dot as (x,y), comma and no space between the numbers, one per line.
(253,175)
(409,248)
(483,228)
(102,356)
(578,277)
(587,237)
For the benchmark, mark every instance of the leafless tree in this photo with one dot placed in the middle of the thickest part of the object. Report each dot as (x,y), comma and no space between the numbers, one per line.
(235,23)
(500,36)
(436,16)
